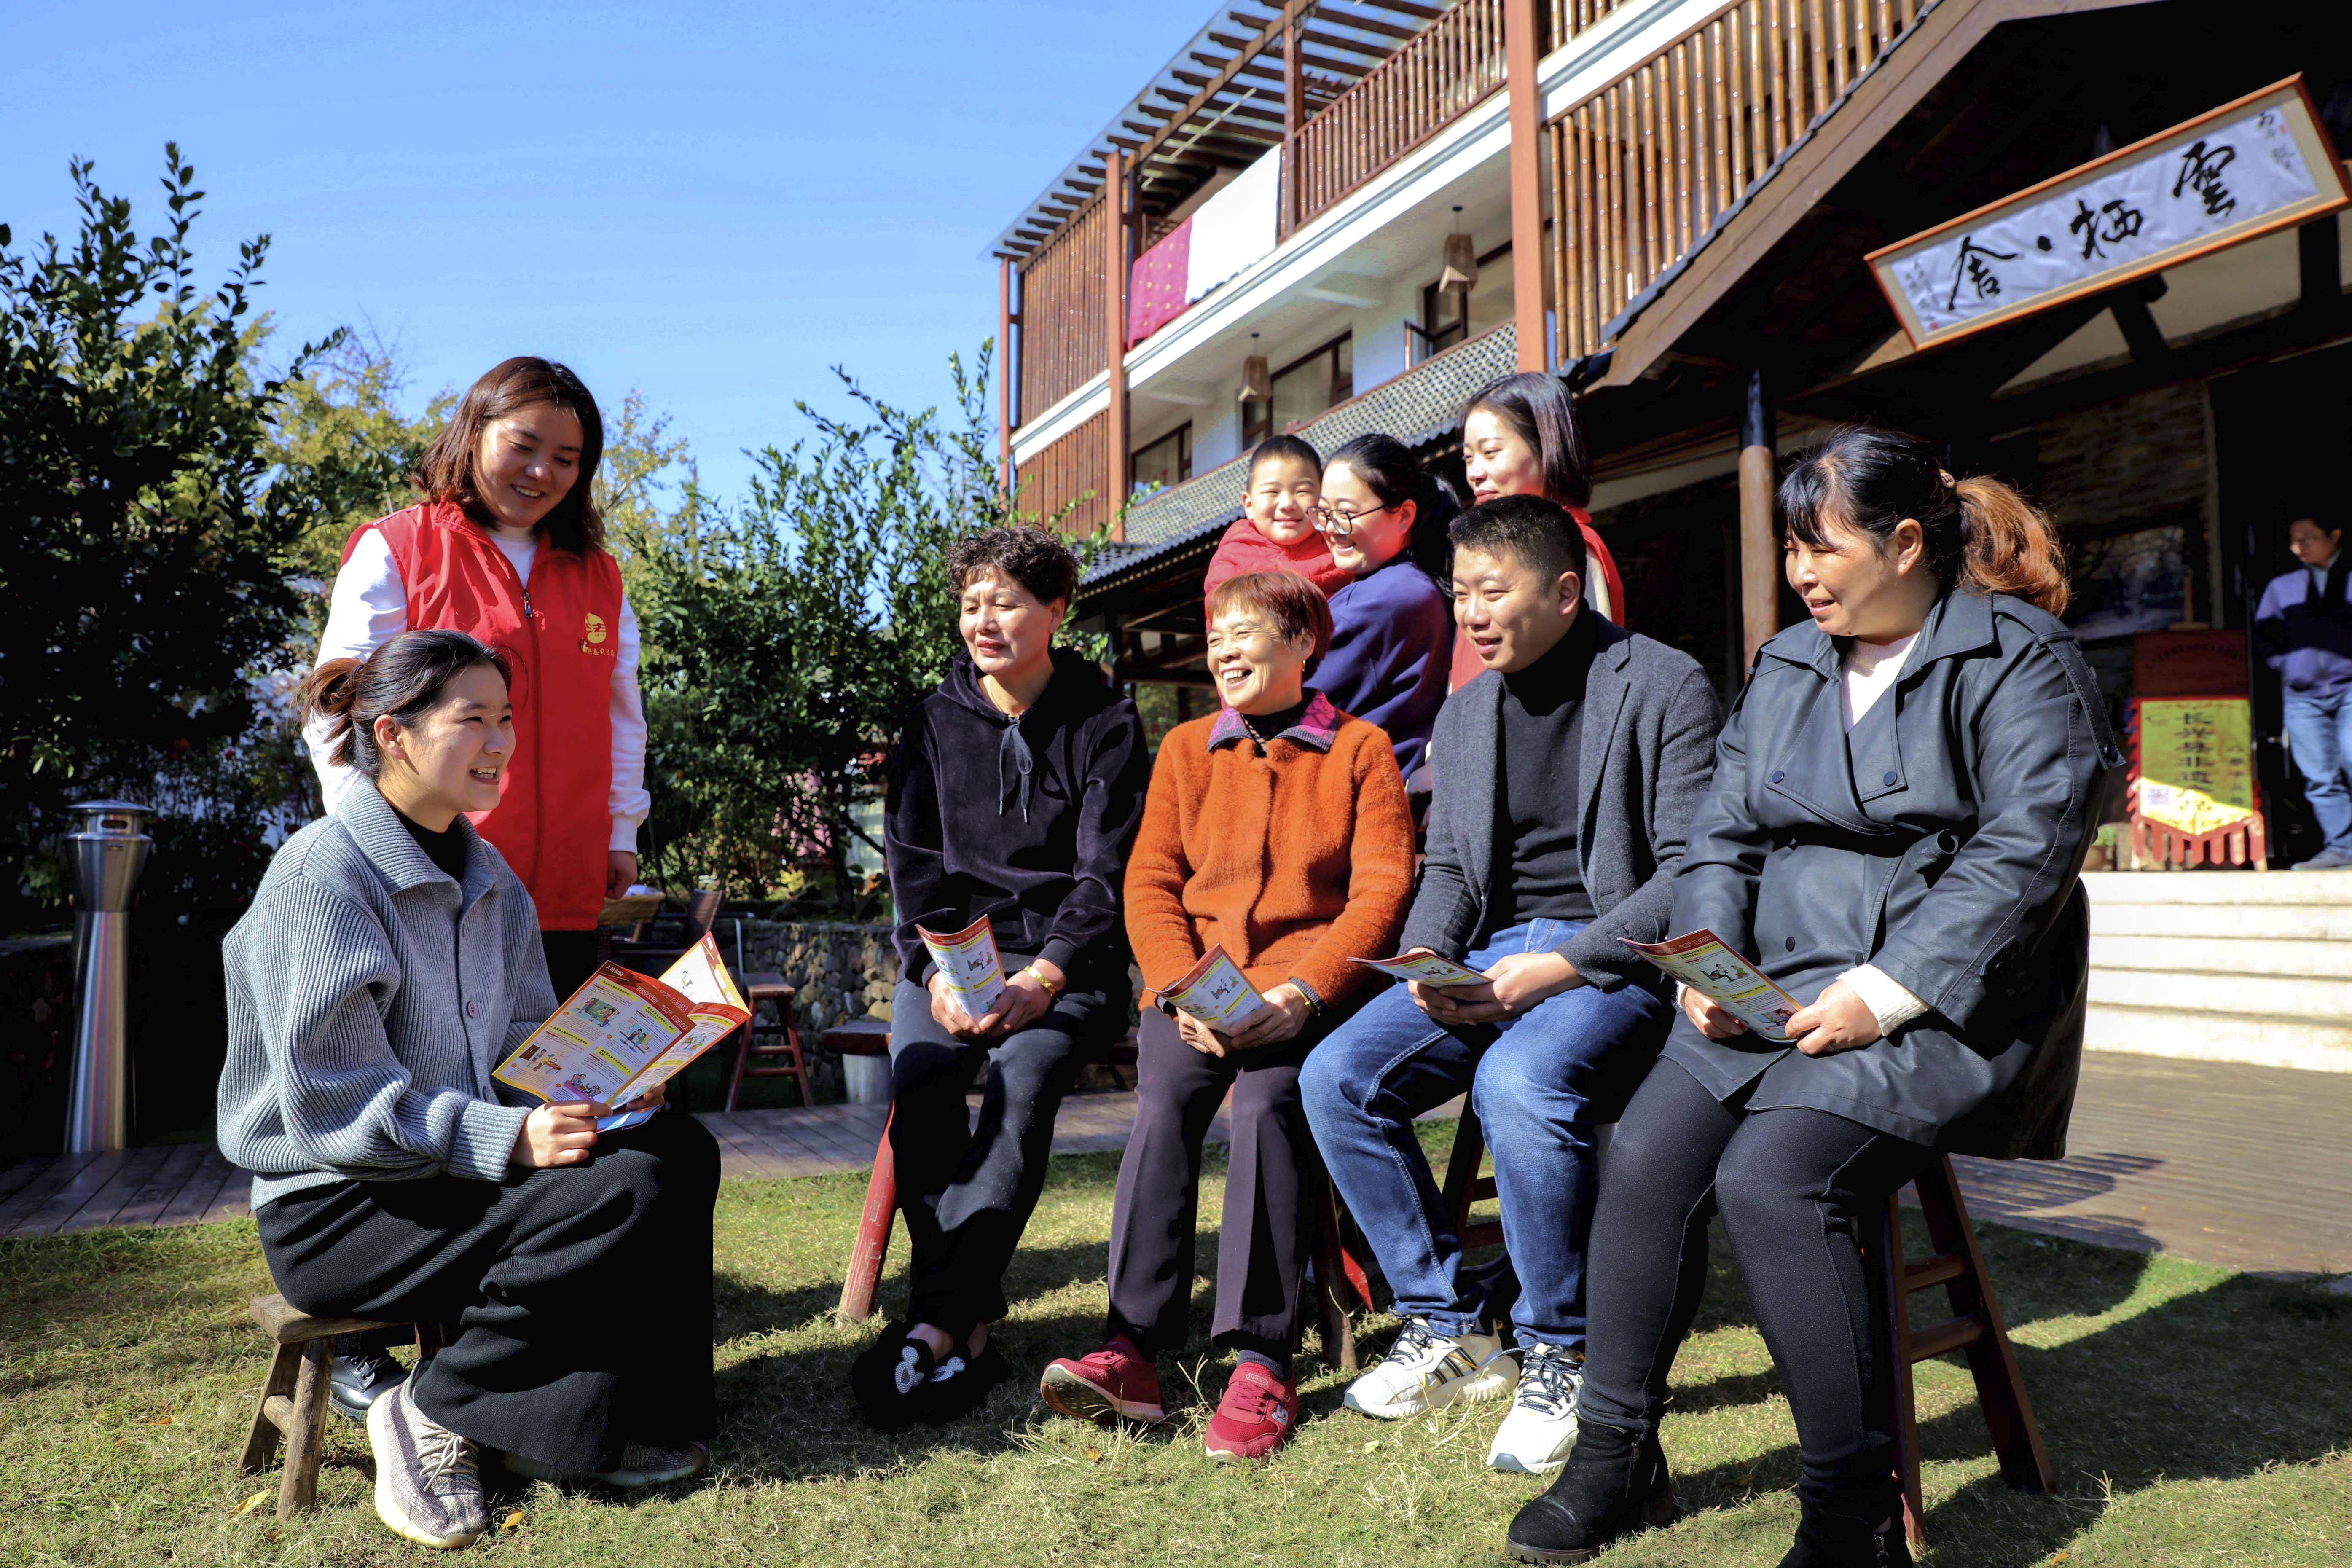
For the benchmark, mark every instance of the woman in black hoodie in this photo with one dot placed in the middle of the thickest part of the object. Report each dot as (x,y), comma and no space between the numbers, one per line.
(1017,791)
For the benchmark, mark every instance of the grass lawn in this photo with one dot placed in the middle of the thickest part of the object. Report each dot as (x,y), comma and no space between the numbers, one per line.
(2194,1416)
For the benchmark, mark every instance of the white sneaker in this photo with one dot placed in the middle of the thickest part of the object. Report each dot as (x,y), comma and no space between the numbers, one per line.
(1423,1371)
(1537,1434)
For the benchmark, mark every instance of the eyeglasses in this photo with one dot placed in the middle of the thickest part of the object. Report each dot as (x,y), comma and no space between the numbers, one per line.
(1340,524)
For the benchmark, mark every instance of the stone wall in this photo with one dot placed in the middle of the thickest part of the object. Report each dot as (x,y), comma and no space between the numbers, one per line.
(842,972)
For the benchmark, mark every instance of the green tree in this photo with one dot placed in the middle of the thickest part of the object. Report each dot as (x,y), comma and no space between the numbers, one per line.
(787,637)
(342,439)
(145,533)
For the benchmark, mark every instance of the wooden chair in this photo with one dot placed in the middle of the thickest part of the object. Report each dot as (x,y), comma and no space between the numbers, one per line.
(1465,1188)
(1975,1328)
(294,1399)
(667,936)
(770,989)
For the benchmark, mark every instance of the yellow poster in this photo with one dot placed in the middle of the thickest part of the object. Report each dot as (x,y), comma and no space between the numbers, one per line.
(2196,763)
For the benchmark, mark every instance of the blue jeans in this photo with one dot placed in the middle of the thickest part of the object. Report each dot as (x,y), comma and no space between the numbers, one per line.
(1543,1083)
(2319,737)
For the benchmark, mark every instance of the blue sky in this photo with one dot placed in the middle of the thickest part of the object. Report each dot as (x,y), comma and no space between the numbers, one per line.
(709,203)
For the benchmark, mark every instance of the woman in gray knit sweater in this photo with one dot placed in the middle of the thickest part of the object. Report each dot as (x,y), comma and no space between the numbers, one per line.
(389,960)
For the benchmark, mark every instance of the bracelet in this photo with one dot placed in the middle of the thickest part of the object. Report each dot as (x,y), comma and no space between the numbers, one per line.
(1038,974)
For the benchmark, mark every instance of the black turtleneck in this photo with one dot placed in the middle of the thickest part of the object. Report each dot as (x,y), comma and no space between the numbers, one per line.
(446,849)
(1539,870)
(1264,727)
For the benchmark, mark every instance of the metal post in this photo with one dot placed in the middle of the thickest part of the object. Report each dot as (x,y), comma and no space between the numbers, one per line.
(109,854)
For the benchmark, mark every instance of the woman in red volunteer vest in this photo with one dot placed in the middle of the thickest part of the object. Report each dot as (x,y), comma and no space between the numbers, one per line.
(507,547)
(1520,437)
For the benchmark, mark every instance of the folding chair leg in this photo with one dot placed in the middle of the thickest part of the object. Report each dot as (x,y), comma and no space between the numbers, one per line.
(873,1244)
(1906,1406)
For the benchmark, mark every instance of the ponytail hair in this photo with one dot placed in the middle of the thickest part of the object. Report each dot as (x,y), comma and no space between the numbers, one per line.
(1982,535)
(401,680)
(1387,468)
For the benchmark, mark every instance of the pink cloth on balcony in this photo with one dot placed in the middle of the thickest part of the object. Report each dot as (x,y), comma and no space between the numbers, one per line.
(1156,289)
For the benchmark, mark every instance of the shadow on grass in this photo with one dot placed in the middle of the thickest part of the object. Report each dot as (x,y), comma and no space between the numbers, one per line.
(2218,1384)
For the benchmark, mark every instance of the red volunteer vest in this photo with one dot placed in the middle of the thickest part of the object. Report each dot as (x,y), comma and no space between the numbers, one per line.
(559,636)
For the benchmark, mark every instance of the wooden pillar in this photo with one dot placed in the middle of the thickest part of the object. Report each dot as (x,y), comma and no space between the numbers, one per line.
(1293,116)
(1115,281)
(1522,45)
(1004,373)
(1760,546)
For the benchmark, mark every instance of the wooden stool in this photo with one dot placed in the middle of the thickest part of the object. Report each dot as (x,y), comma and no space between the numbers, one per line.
(872,1246)
(1975,1326)
(294,1400)
(770,988)
(1465,1188)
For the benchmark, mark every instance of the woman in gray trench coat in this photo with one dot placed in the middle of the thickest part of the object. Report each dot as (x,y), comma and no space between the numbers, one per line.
(1902,801)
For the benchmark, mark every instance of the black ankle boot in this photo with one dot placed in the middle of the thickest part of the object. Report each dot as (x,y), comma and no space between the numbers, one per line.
(1614,1485)
(1828,1540)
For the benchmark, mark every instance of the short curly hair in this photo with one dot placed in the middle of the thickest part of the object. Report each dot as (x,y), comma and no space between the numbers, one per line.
(1032,557)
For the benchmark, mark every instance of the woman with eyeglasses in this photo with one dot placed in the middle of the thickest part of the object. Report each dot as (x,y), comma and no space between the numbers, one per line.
(1383,518)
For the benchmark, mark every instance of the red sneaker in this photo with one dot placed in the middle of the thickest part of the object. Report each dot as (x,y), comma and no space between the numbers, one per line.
(1255,1415)
(1114,1382)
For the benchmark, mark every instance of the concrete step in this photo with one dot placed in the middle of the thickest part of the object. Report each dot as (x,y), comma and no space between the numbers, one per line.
(2224,993)
(2218,887)
(2209,953)
(2313,1045)
(2265,922)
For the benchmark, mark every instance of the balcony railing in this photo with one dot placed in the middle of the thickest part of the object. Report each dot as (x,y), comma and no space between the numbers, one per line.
(1063,312)
(1410,97)
(1643,169)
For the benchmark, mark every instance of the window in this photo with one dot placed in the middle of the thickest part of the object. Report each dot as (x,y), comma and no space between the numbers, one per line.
(1450,317)
(1302,389)
(1162,465)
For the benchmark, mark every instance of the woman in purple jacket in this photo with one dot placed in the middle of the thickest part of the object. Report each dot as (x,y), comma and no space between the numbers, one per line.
(1384,519)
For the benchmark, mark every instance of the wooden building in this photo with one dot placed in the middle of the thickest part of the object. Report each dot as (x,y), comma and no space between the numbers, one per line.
(1673,204)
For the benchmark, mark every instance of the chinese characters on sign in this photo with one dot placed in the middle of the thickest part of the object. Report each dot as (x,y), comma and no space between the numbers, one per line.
(2196,763)
(2248,168)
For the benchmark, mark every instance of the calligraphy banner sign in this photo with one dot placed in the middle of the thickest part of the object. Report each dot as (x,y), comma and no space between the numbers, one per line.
(2246,169)
(2196,763)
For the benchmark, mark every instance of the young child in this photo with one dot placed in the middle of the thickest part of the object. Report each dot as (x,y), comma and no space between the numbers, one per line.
(1276,531)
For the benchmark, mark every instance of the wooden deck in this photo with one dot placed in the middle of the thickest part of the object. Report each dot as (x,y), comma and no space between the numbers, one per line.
(2242,1166)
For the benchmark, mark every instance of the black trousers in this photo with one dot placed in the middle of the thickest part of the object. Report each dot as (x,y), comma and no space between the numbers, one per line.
(582,1294)
(968,1191)
(1262,1244)
(1800,1193)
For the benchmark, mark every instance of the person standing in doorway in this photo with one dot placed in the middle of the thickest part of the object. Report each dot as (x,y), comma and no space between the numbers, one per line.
(507,547)
(2305,627)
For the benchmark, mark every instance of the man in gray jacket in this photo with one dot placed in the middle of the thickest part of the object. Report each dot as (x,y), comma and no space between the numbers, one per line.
(1566,777)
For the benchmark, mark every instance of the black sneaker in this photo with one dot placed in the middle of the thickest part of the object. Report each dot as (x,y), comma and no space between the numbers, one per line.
(959,1386)
(891,1379)
(359,1380)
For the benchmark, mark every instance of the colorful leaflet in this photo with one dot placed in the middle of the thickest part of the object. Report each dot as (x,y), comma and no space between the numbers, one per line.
(1426,967)
(975,975)
(623,1034)
(1215,991)
(1701,961)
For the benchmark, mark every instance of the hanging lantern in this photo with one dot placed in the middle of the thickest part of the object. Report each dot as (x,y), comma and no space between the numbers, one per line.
(1460,264)
(1257,380)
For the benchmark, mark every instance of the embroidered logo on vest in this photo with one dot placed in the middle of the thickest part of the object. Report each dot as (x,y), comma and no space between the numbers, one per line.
(593,641)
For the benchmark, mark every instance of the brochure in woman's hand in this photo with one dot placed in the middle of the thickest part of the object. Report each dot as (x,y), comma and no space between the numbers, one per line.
(1701,961)
(1214,991)
(968,959)
(1426,967)
(623,1034)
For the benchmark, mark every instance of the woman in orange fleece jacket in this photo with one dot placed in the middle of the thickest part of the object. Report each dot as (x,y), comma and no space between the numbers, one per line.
(1279,831)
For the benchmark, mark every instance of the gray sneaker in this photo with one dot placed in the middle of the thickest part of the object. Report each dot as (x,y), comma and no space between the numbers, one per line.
(426,1486)
(641,1465)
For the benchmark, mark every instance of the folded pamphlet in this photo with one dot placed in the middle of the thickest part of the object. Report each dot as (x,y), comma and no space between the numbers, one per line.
(1426,967)
(623,1034)
(975,974)
(1701,961)
(1215,991)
